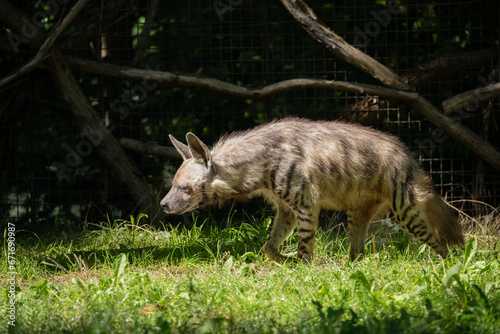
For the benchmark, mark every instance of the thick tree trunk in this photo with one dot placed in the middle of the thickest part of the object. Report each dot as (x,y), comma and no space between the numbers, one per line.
(96,132)
(107,145)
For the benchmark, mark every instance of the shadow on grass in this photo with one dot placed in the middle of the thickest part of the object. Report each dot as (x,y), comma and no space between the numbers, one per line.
(206,246)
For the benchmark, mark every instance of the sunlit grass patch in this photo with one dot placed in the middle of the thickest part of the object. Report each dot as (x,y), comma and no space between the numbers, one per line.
(123,277)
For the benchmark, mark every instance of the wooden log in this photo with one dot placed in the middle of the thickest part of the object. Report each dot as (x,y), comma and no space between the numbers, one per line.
(96,132)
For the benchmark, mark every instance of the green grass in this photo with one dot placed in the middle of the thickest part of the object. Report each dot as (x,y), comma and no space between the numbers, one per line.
(124,278)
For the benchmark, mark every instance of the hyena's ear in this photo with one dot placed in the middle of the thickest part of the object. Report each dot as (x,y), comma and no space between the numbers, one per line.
(198,149)
(181,148)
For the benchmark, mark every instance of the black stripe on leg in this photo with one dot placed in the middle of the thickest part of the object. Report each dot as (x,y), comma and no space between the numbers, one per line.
(406,187)
(272,174)
(394,190)
(306,239)
(426,240)
(304,230)
(405,213)
(409,226)
(289,177)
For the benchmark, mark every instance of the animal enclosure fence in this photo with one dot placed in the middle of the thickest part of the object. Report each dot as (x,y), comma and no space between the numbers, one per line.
(52,172)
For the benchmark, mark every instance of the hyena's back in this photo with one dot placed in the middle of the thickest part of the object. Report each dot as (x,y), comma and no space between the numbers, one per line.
(303,166)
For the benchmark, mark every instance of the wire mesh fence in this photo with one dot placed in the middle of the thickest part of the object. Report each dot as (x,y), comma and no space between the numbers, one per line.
(51,173)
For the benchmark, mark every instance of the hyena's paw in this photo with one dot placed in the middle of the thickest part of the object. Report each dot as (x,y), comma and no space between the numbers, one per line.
(356,255)
(306,257)
(273,254)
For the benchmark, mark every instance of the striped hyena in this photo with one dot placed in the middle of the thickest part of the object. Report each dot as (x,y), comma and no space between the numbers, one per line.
(301,167)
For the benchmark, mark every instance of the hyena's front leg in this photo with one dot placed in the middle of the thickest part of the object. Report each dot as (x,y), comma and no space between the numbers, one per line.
(307,225)
(283,224)
(358,222)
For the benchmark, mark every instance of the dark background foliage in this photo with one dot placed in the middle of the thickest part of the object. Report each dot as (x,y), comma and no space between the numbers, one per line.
(50,176)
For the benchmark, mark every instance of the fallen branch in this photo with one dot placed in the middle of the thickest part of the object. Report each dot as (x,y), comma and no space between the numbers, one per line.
(471,98)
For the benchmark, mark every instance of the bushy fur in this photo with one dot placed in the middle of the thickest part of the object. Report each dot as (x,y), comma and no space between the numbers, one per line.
(301,167)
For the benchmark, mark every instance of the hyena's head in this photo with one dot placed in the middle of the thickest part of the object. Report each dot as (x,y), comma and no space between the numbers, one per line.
(191,182)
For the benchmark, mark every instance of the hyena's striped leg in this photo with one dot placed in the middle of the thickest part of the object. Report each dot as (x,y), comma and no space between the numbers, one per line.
(358,222)
(283,224)
(307,225)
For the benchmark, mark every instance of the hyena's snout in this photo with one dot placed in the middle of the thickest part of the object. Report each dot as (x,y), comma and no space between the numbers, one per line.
(173,205)
(177,203)
(165,204)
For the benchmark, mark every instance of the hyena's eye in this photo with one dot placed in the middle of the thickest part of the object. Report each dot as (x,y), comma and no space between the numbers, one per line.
(185,189)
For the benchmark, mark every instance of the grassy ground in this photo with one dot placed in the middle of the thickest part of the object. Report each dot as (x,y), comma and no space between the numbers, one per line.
(129,279)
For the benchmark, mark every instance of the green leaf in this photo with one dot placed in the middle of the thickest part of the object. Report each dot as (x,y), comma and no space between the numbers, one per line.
(360,277)
(487,286)
(119,265)
(249,257)
(226,268)
(481,294)
(470,251)
(450,273)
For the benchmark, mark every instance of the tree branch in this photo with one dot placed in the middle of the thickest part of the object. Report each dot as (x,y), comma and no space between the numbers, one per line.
(462,134)
(447,64)
(336,44)
(305,16)
(178,80)
(149,148)
(455,130)
(471,98)
(107,145)
(43,51)
(20,26)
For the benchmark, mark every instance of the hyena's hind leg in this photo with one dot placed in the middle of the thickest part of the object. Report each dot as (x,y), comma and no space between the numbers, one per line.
(358,222)
(283,225)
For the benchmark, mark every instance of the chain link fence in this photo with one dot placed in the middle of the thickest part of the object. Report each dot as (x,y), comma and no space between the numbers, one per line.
(51,173)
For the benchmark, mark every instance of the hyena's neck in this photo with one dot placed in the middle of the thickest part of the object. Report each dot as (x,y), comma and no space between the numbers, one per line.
(233,180)
(240,172)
